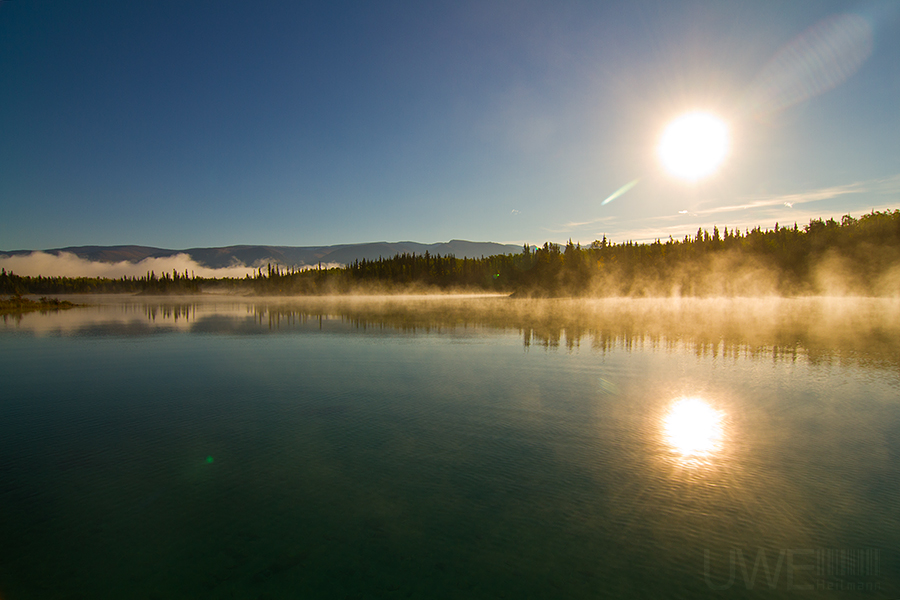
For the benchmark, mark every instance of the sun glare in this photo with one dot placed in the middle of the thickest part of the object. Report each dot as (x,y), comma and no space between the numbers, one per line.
(694,145)
(693,428)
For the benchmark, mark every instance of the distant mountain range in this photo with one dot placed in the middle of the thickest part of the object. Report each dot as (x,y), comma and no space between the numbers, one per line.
(288,256)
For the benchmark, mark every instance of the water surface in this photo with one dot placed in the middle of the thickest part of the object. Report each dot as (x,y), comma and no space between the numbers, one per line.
(450,448)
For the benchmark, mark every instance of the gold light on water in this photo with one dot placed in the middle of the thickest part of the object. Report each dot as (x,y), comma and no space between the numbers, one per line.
(693,428)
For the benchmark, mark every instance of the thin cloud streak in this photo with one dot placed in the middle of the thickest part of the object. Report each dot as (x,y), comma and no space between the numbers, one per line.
(573,225)
(790,199)
(785,217)
(759,212)
(888,185)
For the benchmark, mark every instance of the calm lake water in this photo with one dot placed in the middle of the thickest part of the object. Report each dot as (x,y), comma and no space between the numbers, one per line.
(450,448)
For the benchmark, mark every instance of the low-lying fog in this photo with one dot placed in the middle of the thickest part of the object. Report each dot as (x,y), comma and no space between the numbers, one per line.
(843,327)
(69,265)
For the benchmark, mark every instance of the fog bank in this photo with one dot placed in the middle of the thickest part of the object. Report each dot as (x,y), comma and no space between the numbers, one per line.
(68,265)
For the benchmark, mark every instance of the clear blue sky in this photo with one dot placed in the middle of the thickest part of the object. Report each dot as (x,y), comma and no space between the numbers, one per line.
(183,124)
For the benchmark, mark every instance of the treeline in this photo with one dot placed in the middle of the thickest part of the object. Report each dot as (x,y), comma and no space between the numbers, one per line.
(850,256)
(167,283)
(853,256)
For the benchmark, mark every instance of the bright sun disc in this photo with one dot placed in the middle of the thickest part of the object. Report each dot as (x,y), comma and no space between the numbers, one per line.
(694,145)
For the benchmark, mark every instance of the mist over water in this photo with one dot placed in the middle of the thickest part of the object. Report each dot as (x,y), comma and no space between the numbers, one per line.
(815,327)
(66,264)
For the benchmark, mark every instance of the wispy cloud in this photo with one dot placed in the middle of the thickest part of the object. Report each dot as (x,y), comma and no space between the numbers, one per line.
(752,211)
(886,185)
(571,226)
(790,200)
(663,227)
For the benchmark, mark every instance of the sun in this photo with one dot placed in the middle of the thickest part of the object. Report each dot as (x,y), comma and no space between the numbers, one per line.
(694,145)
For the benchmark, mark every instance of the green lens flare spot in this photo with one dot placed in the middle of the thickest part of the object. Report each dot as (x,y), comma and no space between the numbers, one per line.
(209,459)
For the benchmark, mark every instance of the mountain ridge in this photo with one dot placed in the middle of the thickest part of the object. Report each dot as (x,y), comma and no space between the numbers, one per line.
(249,255)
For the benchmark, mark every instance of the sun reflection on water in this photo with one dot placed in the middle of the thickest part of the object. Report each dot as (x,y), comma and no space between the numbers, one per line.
(693,430)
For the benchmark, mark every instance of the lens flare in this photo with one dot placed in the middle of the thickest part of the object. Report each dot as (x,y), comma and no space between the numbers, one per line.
(819,59)
(619,192)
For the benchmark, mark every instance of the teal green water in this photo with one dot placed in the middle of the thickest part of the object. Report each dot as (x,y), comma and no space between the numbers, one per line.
(231,450)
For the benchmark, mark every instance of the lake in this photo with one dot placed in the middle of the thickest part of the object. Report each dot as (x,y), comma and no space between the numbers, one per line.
(443,447)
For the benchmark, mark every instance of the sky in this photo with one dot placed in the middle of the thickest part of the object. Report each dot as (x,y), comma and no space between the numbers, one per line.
(196,124)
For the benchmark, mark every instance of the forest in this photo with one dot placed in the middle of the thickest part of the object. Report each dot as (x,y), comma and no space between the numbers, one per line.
(855,256)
